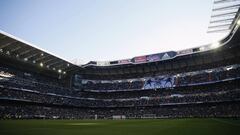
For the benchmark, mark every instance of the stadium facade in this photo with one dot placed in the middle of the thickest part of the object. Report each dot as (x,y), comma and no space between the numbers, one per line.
(197,82)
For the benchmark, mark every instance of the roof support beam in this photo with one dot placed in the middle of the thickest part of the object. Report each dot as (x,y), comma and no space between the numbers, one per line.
(32,55)
(218,30)
(49,60)
(3,45)
(222,20)
(223,1)
(217,26)
(227,7)
(42,57)
(54,63)
(61,66)
(27,51)
(15,49)
(224,14)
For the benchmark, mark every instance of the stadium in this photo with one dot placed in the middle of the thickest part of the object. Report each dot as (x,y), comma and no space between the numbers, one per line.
(191,91)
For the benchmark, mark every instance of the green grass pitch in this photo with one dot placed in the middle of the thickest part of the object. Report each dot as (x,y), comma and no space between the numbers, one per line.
(121,127)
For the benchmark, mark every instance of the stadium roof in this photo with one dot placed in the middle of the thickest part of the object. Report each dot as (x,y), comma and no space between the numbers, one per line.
(18,49)
(21,50)
(224,15)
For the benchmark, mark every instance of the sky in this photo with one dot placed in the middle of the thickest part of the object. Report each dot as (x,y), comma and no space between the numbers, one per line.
(100,30)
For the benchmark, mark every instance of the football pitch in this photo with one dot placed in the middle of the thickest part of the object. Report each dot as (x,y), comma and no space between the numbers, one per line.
(121,127)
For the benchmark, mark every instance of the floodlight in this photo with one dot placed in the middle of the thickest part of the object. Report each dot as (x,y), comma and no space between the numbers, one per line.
(215,45)
(229,68)
(59,71)
(202,48)
(41,64)
(238,22)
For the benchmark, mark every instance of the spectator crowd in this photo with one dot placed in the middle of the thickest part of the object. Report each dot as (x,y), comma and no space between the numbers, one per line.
(202,93)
